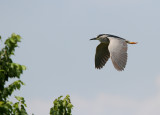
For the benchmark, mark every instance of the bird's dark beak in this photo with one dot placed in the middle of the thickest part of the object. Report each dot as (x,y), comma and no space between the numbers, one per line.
(93,39)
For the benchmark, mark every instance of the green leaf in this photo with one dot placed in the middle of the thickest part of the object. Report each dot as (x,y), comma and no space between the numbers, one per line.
(23,67)
(70,105)
(1,103)
(61,106)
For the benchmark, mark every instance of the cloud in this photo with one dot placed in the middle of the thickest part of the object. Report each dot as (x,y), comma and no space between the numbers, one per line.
(106,104)
(103,104)
(39,106)
(109,104)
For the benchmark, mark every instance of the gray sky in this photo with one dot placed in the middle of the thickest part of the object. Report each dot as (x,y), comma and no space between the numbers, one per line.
(60,58)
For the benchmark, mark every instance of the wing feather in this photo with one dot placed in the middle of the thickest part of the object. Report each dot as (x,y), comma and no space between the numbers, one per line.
(102,55)
(118,52)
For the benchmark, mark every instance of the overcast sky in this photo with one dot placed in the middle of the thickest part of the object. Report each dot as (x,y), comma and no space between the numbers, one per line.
(60,57)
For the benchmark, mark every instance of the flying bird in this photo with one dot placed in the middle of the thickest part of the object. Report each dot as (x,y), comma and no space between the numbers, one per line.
(113,47)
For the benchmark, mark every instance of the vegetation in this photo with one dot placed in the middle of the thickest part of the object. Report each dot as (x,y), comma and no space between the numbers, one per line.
(10,70)
(61,107)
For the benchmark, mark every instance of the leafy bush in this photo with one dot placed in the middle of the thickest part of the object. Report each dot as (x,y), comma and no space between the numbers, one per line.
(61,107)
(8,70)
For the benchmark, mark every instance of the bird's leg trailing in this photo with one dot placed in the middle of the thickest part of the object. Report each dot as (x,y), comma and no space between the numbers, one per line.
(131,42)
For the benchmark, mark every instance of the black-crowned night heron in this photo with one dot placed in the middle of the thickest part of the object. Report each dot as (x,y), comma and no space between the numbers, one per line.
(114,47)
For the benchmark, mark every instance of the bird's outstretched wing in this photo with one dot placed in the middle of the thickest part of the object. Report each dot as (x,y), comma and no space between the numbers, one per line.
(102,55)
(118,52)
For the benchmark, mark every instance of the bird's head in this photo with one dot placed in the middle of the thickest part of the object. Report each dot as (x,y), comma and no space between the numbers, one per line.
(101,38)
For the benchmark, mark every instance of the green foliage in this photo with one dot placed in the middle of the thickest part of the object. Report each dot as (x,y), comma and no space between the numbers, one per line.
(18,108)
(9,89)
(9,69)
(61,107)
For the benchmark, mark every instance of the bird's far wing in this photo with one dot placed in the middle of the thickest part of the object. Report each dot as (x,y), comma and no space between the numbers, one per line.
(102,55)
(118,52)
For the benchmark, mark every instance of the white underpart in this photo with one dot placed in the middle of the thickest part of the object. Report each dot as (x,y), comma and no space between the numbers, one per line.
(118,52)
